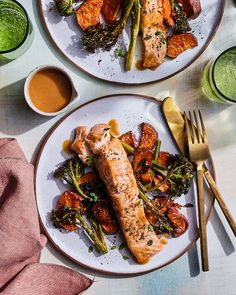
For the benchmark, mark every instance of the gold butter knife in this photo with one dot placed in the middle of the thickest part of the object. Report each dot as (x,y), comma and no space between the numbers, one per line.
(176,125)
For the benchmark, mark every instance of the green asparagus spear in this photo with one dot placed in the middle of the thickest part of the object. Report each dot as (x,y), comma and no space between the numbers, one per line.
(135,15)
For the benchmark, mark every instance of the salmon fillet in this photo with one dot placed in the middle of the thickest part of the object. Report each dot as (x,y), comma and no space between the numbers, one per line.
(153,33)
(116,172)
(79,144)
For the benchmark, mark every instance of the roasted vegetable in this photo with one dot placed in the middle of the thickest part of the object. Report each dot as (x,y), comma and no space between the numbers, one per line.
(68,217)
(106,36)
(110,9)
(168,13)
(129,142)
(149,136)
(135,14)
(179,43)
(129,139)
(89,181)
(163,159)
(181,20)
(142,162)
(64,7)
(105,215)
(171,221)
(71,200)
(88,13)
(178,221)
(70,171)
(178,174)
(192,8)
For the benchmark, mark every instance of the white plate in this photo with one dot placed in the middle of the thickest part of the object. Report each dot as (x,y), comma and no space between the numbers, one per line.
(66,34)
(130,111)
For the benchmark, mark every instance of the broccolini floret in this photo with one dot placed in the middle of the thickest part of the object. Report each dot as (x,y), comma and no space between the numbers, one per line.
(70,171)
(66,215)
(180,175)
(181,20)
(65,7)
(106,36)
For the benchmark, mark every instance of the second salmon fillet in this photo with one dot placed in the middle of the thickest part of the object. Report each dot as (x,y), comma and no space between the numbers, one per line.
(153,33)
(116,172)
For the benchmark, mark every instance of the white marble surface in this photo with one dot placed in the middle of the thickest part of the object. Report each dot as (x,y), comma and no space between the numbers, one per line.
(184,275)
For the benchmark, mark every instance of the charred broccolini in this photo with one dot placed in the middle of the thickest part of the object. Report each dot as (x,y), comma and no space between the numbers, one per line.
(66,215)
(70,171)
(65,7)
(181,20)
(106,36)
(179,174)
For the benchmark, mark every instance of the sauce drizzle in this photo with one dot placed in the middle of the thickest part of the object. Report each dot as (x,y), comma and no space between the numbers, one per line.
(66,146)
(114,127)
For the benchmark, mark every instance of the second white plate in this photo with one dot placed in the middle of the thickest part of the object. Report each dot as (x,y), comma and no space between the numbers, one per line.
(66,34)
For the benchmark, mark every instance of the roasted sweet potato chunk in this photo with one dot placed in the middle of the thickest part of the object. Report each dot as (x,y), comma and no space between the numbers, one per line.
(90,178)
(104,214)
(142,161)
(178,43)
(163,186)
(71,200)
(110,9)
(128,138)
(178,221)
(88,13)
(192,8)
(149,136)
(163,159)
(168,13)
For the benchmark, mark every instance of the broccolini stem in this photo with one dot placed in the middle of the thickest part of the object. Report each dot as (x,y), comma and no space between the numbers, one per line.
(98,228)
(75,182)
(127,11)
(157,150)
(128,148)
(142,187)
(148,203)
(99,245)
(135,14)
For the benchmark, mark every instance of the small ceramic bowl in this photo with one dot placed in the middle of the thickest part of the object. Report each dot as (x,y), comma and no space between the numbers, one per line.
(74,95)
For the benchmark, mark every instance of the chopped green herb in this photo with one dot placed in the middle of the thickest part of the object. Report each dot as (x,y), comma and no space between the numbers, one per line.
(150,242)
(93,197)
(147,37)
(158,33)
(150,227)
(120,52)
(113,247)
(90,249)
(90,161)
(122,246)
(125,257)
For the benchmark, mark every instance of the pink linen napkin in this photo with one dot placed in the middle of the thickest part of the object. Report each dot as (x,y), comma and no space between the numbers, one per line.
(20,238)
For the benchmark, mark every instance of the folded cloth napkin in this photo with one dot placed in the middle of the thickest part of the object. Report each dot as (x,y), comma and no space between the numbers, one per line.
(20,238)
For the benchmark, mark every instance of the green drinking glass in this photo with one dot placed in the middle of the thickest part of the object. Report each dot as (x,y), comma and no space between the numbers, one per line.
(219,77)
(16,31)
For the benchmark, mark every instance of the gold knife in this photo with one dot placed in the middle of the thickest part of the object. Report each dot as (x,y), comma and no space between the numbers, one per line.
(176,125)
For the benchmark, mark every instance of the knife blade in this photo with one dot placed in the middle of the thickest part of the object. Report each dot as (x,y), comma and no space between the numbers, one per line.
(176,125)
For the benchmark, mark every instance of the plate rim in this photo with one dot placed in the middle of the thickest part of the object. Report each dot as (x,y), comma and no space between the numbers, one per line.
(48,135)
(210,38)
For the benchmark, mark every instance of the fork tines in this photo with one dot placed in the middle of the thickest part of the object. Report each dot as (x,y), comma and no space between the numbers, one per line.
(195,133)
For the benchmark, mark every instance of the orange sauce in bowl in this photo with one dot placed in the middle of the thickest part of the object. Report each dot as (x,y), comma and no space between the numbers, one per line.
(50,90)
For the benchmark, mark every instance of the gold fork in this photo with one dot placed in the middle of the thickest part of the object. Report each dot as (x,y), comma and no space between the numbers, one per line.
(198,154)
